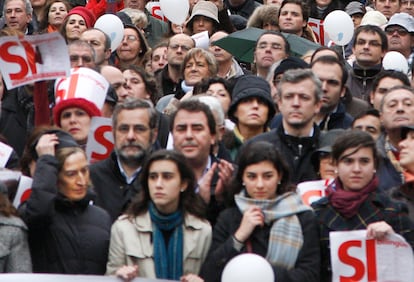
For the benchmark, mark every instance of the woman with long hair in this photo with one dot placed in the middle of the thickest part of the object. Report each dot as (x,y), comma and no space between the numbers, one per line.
(268,218)
(353,200)
(163,234)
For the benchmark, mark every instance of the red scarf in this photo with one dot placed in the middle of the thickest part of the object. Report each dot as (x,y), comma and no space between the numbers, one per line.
(347,203)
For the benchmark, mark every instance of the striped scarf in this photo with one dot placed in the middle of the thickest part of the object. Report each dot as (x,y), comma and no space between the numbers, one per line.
(168,260)
(286,237)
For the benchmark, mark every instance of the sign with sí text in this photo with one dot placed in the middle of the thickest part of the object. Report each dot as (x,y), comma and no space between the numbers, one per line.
(100,139)
(311,191)
(354,257)
(32,58)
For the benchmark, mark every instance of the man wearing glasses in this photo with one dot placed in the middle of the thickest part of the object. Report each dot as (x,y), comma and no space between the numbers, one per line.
(369,47)
(400,30)
(170,75)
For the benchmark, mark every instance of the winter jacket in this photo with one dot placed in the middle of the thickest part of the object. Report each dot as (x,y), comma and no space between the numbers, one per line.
(14,248)
(131,244)
(360,80)
(113,192)
(222,250)
(68,237)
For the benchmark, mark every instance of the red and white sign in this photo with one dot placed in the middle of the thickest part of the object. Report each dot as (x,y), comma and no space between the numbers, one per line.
(82,83)
(23,190)
(356,258)
(154,8)
(318,30)
(100,139)
(33,58)
(5,152)
(311,191)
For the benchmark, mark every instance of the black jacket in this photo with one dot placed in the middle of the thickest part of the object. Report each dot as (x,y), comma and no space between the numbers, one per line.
(113,192)
(222,250)
(64,236)
(296,151)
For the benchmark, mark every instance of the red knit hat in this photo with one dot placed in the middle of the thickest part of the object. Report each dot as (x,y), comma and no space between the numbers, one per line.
(90,108)
(87,15)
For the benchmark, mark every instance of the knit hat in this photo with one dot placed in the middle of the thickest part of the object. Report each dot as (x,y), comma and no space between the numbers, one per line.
(90,108)
(251,86)
(355,7)
(288,64)
(204,8)
(87,15)
(65,140)
(404,20)
(373,18)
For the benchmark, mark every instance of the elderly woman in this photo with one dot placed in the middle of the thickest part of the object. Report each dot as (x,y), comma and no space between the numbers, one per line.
(76,21)
(198,64)
(133,47)
(67,234)
(353,200)
(268,218)
(164,233)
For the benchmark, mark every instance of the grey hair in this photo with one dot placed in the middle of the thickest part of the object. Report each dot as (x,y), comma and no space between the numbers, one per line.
(214,104)
(298,75)
(81,43)
(27,3)
(132,104)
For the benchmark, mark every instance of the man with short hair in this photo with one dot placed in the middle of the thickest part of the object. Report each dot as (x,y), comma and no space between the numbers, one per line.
(369,47)
(18,15)
(293,18)
(397,110)
(384,81)
(270,48)
(297,137)
(333,76)
(370,122)
(100,42)
(193,129)
(228,67)
(169,77)
(81,54)
(407,6)
(387,7)
(116,179)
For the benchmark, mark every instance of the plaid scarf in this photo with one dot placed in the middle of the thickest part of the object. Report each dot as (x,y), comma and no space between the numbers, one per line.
(168,258)
(286,237)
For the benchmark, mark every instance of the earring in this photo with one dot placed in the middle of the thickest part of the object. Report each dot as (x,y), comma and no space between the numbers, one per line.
(375,171)
(182,190)
(279,183)
(336,171)
(244,184)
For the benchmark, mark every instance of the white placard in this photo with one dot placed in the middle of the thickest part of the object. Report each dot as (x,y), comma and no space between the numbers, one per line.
(33,58)
(23,190)
(319,31)
(356,258)
(100,139)
(201,39)
(5,152)
(311,191)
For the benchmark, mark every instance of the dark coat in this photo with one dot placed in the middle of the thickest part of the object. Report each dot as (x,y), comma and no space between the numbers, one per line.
(296,151)
(405,194)
(64,236)
(113,192)
(164,82)
(339,119)
(222,250)
(377,207)
(360,80)
(245,10)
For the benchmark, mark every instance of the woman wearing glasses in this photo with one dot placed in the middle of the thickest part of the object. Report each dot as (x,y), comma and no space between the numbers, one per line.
(132,49)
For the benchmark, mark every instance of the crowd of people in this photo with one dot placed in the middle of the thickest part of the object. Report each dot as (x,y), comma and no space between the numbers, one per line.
(208,150)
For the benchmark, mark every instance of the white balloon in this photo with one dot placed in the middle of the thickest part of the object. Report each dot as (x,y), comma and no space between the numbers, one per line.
(339,27)
(175,10)
(248,268)
(113,27)
(394,60)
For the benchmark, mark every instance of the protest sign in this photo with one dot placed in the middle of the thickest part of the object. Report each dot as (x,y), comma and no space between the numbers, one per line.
(23,191)
(318,30)
(32,58)
(356,258)
(5,152)
(100,139)
(311,191)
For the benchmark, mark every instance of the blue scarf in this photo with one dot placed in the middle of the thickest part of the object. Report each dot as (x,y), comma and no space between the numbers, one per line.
(168,260)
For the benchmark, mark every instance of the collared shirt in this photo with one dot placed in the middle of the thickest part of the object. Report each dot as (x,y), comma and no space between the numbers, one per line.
(208,166)
(130,179)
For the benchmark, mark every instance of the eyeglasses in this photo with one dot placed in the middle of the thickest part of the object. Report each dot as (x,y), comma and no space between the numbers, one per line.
(75,58)
(400,31)
(130,38)
(183,47)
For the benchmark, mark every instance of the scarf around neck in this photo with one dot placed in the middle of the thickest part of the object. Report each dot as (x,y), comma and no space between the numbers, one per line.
(286,237)
(347,203)
(168,258)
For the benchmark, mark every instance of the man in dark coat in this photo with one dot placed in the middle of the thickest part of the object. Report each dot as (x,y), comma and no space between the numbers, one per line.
(297,136)
(115,179)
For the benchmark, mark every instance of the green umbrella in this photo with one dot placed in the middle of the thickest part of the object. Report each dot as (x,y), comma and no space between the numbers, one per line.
(241,43)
